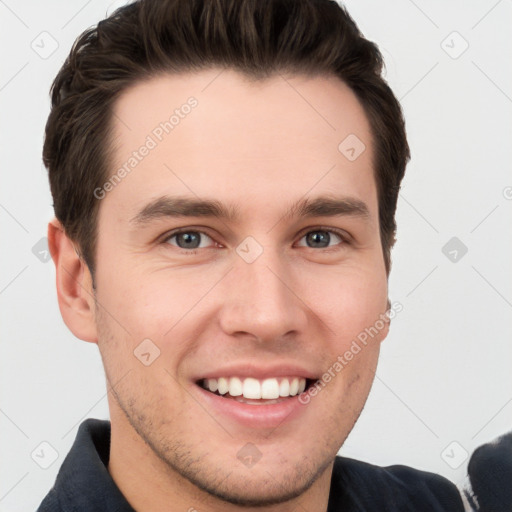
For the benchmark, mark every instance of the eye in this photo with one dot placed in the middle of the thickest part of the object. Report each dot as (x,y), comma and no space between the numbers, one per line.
(188,239)
(320,238)
(191,240)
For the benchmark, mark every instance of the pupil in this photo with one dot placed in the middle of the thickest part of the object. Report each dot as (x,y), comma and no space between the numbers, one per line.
(321,237)
(188,238)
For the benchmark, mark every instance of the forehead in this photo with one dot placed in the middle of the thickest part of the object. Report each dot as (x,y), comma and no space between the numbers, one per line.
(214,133)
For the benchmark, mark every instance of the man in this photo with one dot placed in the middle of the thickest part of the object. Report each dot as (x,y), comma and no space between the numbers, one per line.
(225,177)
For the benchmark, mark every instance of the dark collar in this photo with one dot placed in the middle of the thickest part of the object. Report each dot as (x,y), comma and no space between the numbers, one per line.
(83,482)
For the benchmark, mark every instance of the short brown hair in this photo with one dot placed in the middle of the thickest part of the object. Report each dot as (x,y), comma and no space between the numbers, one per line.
(258,38)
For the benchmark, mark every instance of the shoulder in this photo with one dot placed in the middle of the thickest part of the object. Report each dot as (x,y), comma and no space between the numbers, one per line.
(83,481)
(391,488)
(490,474)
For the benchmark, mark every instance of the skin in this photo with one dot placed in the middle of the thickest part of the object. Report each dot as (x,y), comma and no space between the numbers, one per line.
(259,146)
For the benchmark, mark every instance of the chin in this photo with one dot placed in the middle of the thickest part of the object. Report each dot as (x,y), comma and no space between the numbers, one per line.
(260,487)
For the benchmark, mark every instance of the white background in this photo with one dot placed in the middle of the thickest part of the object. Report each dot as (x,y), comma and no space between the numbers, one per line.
(445,369)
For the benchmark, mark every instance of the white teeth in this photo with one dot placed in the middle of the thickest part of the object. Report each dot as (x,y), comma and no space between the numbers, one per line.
(284,388)
(223,386)
(235,386)
(294,386)
(267,389)
(252,389)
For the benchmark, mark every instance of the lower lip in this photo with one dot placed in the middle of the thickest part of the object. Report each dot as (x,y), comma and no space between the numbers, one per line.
(255,416)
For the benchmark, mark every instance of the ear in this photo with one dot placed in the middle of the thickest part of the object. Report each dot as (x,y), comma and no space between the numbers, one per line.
(387,321)
(74,284)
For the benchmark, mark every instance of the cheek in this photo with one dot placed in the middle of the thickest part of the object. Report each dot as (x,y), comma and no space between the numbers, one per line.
(348,300)
(154,306)
(146,303)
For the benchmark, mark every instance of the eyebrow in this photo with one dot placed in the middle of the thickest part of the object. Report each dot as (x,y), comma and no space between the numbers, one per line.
(167,206)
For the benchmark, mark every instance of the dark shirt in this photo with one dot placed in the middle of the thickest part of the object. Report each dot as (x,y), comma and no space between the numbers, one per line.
(490,476)
(84,483)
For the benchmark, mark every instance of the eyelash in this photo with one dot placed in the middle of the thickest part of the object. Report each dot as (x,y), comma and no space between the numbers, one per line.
(191,252)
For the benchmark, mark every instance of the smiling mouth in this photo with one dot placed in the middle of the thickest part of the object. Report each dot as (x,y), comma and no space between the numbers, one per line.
(255,391)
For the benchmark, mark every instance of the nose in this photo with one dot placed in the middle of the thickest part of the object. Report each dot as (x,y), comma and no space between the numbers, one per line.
(262,299)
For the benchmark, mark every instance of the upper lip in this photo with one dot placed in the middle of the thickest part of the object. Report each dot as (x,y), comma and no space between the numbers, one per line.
(259,372)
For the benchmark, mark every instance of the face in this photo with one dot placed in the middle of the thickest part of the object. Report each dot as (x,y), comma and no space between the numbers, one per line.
(251,293)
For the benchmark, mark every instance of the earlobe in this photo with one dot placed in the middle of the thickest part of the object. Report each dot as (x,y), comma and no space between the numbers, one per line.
(74,284)
(385,318)
(385,331)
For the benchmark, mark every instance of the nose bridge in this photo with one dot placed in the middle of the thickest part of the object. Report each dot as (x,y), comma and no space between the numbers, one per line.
(259,299)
